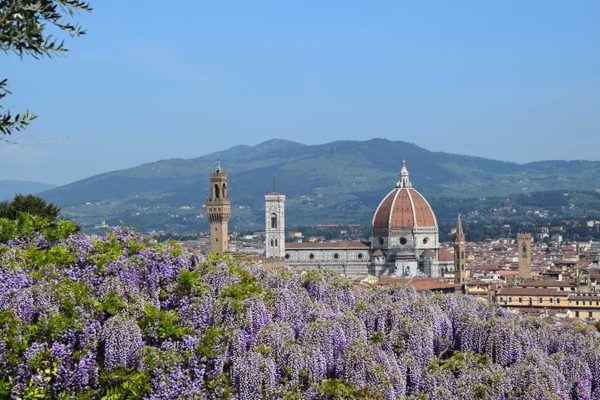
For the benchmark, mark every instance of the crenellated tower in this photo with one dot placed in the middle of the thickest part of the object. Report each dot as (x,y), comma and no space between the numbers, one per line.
(524,241)
(460,262)
(218,210)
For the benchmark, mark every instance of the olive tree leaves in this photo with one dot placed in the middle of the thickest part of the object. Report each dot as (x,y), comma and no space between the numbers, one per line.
(26,28)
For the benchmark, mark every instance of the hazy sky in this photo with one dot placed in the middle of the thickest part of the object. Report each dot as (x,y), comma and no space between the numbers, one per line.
(512,80)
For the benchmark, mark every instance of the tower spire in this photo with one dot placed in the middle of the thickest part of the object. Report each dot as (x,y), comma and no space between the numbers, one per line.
(404,181)
(218,166)
(460,267)
(459,235)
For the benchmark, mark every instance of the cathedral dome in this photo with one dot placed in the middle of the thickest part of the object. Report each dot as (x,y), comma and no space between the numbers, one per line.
(403,208)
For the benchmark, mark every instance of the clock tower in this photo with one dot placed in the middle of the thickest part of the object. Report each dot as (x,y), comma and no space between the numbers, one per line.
(218,210)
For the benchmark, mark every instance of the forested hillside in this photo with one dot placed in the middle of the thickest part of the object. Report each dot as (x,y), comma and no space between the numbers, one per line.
(339,182)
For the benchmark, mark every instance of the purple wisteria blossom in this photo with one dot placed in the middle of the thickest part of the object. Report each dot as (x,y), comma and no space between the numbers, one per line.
(118,316)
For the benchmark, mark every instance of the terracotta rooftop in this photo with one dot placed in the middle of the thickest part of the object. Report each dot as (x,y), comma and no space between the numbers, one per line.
(445,255)
(509,291)
(328,245)
(546,283)
(403,208)
(507,273)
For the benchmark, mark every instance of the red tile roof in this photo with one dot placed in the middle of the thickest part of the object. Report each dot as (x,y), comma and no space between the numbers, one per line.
(509,291)
(545,283)
(403,208)
(445,255)
(507,273)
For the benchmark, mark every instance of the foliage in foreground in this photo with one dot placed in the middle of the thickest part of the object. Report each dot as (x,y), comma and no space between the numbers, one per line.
(118,317)
(29,204)
(30,27)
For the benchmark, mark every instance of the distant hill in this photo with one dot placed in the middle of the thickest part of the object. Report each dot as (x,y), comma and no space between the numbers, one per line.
(9,188)
(341,182)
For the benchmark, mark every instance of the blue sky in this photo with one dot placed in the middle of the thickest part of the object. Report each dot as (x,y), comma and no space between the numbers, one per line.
(512,80)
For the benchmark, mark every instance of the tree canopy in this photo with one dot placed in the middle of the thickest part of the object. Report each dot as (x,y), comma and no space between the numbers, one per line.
(35,28)
(30,204)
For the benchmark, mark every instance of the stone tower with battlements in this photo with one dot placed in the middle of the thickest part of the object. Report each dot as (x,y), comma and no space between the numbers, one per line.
(460,261)
(218,210)
(524,241)
(274,225)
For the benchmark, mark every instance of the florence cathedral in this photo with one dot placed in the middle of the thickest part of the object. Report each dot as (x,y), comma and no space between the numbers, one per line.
(404,238)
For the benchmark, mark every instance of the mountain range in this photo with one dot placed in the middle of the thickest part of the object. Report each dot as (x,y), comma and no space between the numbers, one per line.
(9,188)
(337,182)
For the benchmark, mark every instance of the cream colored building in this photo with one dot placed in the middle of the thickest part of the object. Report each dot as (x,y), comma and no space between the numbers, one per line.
(577,305)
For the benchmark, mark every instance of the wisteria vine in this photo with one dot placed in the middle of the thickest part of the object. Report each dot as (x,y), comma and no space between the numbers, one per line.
(120,317)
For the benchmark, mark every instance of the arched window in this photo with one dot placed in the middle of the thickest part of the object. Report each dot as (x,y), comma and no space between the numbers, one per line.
(271,242)
(225,190)
(276,243)
(273,221)
(217,191)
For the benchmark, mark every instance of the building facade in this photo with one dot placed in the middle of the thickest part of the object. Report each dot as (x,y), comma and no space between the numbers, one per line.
(274,225)
(404,240)
(218,210)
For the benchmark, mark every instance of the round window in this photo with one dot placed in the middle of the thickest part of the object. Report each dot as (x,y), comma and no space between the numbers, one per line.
(336,256)
(311,256)
(403,241)
(287,256)
(360,256)
(425,241)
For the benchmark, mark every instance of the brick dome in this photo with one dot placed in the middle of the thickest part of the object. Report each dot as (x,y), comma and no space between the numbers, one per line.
(403,208)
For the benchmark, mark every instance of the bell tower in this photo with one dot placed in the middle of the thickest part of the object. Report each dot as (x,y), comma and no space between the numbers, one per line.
(218,210)
(274,225)
(524,250)
(460,270)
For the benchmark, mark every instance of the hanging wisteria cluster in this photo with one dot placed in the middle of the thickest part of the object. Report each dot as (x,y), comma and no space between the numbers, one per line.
(118,317)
